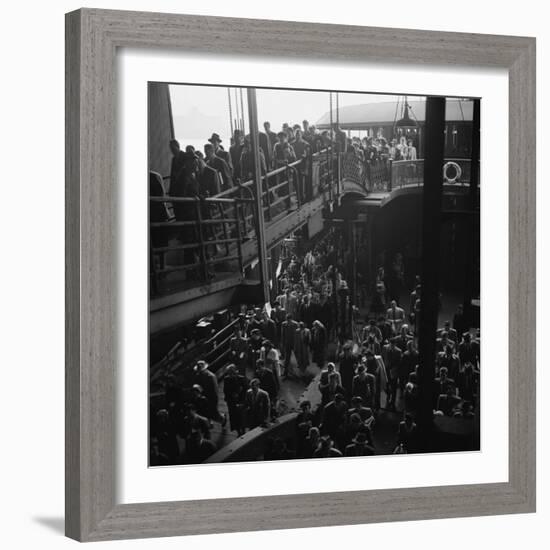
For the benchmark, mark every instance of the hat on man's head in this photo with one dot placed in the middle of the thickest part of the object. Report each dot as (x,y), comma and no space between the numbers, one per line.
(215,138)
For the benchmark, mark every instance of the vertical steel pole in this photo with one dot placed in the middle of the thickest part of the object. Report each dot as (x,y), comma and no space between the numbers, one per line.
(260,227)
(230,111)
(431,230)
(330,154)
(242,108)
(472,230)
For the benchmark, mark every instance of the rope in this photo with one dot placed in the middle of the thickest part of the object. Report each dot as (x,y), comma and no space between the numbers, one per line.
(242,110)
(230,111)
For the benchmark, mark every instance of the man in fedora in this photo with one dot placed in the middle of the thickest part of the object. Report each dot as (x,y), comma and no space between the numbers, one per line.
(219,151)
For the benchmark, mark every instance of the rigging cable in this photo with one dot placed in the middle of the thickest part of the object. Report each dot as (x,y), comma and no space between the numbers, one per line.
(230,110)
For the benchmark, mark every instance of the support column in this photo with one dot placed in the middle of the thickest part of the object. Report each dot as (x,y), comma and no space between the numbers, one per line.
(431,227)
(259,219)
(473,218)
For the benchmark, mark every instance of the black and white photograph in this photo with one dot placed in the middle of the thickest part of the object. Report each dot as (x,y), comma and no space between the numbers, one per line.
(314,274)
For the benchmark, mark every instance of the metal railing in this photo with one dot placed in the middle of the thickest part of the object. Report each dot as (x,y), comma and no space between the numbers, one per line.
(411,172)
(385,175)
(205,233)
(179,361)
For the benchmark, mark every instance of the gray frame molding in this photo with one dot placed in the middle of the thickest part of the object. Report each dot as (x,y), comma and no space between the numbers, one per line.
(92,38)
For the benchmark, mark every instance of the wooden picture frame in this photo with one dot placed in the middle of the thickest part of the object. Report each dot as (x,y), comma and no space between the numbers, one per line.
(92,39)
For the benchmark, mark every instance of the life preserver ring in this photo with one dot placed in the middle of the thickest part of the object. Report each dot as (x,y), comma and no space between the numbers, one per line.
(457,169)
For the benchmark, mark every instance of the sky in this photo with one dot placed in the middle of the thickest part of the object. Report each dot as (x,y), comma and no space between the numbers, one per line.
(200,110)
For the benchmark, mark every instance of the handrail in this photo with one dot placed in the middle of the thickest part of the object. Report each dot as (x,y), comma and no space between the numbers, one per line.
(171,363)
(212,230)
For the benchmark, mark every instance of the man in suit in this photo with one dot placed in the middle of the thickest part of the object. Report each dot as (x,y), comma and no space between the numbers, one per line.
(268,327)
(443,341)
(396,316)
(207,380)
(347,366)
(409,361)
(392,358)
(235,152)
(334,419)
(449,360)
(210,182)
(319,342)
(268,383)
(219,151)
(403,338)
(468,352)
(234,390)
(443,384)
(451,332)
(364,385)
(288,340)
(238,346)
(257,405)
(219,164)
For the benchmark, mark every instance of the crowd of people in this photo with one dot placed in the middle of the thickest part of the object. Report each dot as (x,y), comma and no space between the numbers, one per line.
(216,169)
(368,363)
(207,173)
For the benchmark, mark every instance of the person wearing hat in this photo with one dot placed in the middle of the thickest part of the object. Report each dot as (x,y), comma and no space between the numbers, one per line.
(254,347)
(257,405)
(364,385)
(392,356)
(268,327)
(235,152)
(347,364)
(359,446)
(219,164)
(238,346)
(256,321)
(207,380)
(407,435)
(219,151)
(234,390)
(334,418)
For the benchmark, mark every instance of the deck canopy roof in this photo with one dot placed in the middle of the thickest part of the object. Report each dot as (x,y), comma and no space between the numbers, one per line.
(367,115)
